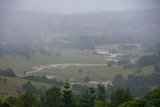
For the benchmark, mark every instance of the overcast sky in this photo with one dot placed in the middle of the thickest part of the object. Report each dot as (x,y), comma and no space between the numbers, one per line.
(74,6)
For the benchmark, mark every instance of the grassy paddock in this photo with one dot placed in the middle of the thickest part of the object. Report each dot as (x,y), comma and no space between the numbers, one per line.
(21,65)
(13,83)
(95,73)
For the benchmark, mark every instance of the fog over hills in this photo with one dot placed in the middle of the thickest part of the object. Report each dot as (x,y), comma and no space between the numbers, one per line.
(34,22)
(122,23)
(79,53)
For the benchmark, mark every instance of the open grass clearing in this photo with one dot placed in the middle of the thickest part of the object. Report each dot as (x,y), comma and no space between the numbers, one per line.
(21,65)
(95,73)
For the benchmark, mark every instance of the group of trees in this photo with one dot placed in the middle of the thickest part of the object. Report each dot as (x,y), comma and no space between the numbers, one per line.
(148,60)
(92,97)
(139,84)
(8,72)
(127,47)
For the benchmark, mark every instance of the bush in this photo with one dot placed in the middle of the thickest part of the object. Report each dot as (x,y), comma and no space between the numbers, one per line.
(58,54)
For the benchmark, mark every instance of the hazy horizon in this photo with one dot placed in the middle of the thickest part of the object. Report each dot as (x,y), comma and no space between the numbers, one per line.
(76,6)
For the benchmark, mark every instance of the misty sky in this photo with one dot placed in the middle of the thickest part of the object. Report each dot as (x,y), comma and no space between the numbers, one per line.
(73,6)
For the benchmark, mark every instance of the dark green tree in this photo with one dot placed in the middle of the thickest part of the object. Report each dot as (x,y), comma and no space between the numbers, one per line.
(67,97)
(153,98)
(120,96)
(26,100)
(29,87)
(100,103)
(11,101)
(1,103)
(101,92)
(52,97)
(118,80)
(88,98)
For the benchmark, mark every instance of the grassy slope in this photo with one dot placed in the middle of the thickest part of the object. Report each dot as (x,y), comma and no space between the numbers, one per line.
(95,73)
(13,83)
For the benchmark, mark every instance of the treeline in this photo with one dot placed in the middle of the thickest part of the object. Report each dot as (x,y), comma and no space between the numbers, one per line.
(92,97)
(138,84)
(148,60)
(25,50)
(89,42)
(44,80)
(8,72)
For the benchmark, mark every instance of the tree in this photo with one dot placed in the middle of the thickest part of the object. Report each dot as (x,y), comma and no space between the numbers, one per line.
(1,103)
(26,100)
(139,71)
(110,64)
(123,61)
(86,43)
(101,92)
(11,101)
(153,98)
(148,60)
(142,102)
(9,72)
(52,97)
(88,98)
(118,80)
(87,79)
(128,104)
(120,96)
(67,97)
(80,70)
(100,103)
(156,69)
(29,87)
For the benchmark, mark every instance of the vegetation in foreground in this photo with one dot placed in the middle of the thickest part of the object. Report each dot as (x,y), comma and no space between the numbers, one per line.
(92,97)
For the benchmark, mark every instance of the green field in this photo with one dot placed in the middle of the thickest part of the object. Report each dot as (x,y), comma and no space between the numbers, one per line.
(95,73)
(21,65)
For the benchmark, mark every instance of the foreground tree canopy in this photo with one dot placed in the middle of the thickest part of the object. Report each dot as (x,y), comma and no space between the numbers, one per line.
(92,97)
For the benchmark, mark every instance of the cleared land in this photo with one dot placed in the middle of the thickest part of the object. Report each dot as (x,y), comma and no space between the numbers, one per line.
(21,65)
(76,74)
(96,73)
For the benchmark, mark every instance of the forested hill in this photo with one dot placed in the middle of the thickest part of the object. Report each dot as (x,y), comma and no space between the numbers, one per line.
(121,23)
(18,28)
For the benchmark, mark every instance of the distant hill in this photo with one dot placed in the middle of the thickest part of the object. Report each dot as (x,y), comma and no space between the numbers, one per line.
(22,27)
